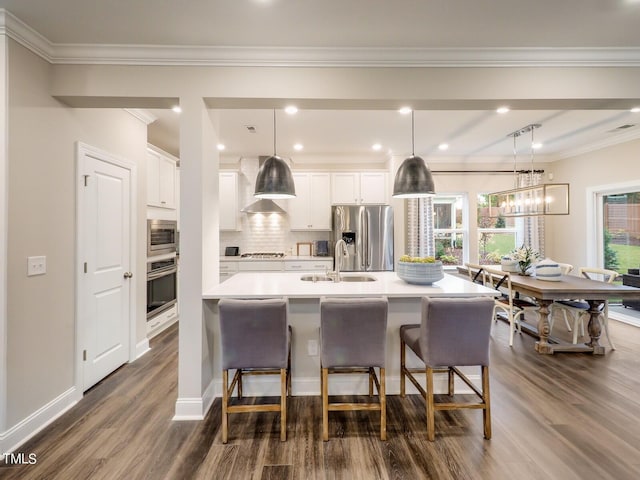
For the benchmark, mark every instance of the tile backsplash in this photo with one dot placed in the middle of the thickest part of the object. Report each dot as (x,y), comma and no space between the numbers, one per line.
(267,233)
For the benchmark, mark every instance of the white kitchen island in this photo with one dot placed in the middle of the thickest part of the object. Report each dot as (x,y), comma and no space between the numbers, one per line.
(304,317)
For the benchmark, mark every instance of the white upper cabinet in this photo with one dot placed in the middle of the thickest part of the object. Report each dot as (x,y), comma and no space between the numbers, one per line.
(311,209)
(359,188)
(161,179)
(228,195)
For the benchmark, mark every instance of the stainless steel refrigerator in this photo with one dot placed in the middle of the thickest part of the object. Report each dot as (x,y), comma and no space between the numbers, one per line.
(368,232)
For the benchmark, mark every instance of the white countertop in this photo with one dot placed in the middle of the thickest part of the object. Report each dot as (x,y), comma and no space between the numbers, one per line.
(288,284)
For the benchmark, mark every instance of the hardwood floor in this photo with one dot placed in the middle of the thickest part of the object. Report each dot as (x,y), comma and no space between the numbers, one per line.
(566,416)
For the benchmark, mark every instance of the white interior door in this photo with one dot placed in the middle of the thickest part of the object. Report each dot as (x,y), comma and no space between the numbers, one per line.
(105,256)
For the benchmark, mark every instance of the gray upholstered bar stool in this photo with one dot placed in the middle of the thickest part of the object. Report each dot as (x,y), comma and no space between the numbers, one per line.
(454,332)
(353,340)
(256,340)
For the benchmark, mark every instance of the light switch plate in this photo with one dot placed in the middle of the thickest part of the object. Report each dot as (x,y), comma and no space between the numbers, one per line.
(36,265)
(312,348)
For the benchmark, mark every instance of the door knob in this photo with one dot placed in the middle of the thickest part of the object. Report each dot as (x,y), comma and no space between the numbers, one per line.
(128,274)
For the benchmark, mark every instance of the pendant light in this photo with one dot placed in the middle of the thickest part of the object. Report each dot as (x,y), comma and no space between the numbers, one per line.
(413,178)
(274,176)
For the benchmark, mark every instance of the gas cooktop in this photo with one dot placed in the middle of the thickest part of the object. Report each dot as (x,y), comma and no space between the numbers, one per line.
(262,255)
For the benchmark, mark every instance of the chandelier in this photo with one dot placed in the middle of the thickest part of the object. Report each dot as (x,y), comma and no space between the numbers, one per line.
(530,200)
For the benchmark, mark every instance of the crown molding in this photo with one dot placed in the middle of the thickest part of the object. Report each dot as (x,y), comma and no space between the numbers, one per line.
(144,116)
(95,54)
(591,147)
(26,36)
(344,57)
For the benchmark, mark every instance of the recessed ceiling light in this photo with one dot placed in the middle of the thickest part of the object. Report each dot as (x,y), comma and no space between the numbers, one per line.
(176,108)
(502,109)
(298,146)
(635,109)
(291,109)
(221,146)
(443,146)
(405,110)
(536,145)
(376,147)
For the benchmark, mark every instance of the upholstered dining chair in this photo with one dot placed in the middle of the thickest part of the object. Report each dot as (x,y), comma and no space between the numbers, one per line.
(454,332)
(255,340)
(353,334)
(512,306)
(578,310)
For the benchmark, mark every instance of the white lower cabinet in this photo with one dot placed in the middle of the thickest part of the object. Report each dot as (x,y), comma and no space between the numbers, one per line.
(308,265)
(311,264)
(162,321)
(227,270)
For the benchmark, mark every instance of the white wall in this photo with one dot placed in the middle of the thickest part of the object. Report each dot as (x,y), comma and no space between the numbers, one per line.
(567,235)
(41,219)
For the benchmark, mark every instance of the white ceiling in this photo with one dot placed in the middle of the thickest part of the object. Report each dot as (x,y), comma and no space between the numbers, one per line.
(591,29)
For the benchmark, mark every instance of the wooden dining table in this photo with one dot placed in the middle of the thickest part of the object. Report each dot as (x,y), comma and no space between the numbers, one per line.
(570,287)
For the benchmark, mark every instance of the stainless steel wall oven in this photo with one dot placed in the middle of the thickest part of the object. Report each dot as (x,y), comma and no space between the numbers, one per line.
(162,237)
(162,276)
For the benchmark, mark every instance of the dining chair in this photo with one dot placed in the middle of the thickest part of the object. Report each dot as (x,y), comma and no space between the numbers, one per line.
(353,338)
(579,309)
(255,340)
(514,307)
(454,332)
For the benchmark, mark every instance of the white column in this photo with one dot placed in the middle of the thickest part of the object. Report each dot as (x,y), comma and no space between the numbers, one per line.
(4,224)
(199,255)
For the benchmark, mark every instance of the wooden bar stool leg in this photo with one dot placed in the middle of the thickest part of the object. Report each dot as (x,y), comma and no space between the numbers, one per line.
(225,401)
(383,405)
(325,405)
(239,384)
(486,417)
(451,380)
(283,404)
(431,422)
(403,381)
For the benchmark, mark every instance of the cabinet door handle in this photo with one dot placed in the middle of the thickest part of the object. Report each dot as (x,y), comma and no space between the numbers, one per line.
(128,274)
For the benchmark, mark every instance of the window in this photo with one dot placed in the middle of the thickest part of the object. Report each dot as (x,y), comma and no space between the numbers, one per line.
(437,226)
(496,236)
(621,231)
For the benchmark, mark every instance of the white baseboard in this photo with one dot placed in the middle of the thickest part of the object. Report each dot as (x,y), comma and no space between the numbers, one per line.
(41,418)
(195,408)
(142,347)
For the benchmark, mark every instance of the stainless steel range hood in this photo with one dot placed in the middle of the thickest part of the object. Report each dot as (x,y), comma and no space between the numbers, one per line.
(263,206)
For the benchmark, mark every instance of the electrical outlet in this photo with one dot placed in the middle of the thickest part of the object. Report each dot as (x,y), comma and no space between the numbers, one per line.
(36,266)
(312,348)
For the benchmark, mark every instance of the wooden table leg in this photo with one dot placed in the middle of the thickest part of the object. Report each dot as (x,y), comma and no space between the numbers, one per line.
(543,345)
(594,326)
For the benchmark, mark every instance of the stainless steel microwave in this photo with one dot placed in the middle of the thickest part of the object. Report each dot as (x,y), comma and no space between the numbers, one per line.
(162,237)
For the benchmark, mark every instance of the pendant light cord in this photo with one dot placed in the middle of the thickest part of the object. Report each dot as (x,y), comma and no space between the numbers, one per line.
(515,156)
(413,153)
(532,155)
(274,132)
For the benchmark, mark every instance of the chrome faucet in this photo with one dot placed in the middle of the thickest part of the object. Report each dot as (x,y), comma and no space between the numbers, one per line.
(340,253)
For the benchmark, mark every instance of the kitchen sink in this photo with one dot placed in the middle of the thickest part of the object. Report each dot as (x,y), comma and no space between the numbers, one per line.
(357,278)
(316,278)
(343,278)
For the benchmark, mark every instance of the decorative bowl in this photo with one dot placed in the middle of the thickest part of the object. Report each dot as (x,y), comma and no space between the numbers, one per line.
(420,273)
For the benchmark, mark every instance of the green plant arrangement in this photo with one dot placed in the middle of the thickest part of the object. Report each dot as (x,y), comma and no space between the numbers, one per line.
(526,257)
(410,259)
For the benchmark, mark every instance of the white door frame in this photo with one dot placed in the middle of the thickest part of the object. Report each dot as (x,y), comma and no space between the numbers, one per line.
(83,149)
